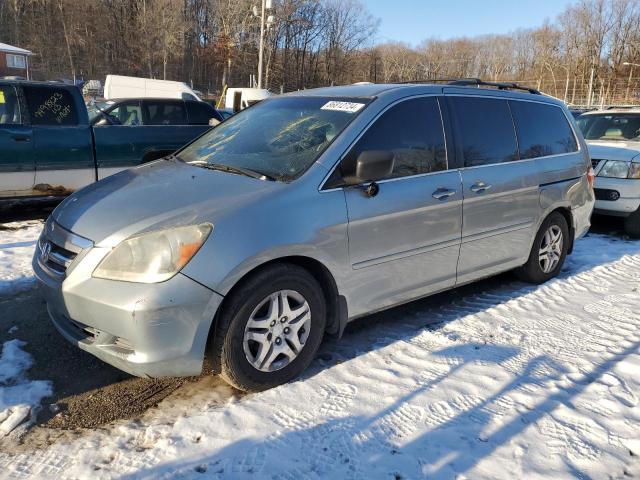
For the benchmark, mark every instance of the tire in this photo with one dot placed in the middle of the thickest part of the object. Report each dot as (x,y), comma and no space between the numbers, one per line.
(632,224)
(533,270)
(247,303)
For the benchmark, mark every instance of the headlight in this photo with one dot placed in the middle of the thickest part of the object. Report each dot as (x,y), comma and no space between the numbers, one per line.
(614,169)
(153,257)
(634,170)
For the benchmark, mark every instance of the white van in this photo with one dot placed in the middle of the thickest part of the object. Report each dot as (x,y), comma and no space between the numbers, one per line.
(240,98)
(119,86)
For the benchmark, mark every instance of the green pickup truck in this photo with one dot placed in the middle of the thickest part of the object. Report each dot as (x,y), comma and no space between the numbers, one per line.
(51,146)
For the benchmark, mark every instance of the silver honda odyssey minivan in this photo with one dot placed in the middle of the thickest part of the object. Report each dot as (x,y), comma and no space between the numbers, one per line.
(306,211)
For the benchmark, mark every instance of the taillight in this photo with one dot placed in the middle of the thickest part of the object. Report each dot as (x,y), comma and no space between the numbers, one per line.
(591,177)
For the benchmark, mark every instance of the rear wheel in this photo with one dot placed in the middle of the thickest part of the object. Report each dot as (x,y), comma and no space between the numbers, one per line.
(549,250)
(632,224)
(272,327)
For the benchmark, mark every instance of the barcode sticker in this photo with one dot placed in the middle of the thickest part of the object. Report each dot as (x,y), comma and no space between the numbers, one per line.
(349,107)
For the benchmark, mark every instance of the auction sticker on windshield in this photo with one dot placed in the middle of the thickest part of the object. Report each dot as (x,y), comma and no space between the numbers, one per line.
(349,107)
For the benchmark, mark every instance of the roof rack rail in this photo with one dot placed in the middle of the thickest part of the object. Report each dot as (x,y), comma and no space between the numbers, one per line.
(465,82)
(431,80)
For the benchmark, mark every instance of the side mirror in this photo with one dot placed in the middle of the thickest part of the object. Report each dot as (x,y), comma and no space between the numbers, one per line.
(106,119)
(373,165)
(100,121)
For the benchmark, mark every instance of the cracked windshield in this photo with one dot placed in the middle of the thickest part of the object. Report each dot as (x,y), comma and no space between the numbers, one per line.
(278,138)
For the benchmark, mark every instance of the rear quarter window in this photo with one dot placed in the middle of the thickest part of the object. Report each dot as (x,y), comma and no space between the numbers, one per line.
(200,113)
(542,130)
(51,106)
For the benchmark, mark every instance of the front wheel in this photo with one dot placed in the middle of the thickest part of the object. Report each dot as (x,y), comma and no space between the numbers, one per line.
(272,327)
(632,224)
(549,250)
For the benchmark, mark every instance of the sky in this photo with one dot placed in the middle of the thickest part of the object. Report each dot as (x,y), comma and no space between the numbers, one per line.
(412,21)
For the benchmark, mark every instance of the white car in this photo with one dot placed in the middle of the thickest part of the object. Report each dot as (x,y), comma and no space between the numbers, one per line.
(613,137)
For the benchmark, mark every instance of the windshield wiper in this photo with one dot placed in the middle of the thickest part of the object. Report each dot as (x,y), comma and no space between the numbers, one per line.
(237,170)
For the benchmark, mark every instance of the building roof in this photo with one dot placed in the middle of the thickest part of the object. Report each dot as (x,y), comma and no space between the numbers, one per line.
(11,49)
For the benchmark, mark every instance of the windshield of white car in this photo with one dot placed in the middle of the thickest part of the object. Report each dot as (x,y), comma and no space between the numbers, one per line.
(622,127)
(278,137)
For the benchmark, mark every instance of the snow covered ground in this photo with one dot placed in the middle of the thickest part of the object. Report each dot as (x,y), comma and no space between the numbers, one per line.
(18,396)
(511,381)
(17,241)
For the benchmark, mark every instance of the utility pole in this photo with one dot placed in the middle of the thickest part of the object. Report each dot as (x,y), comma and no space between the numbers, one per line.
(590,91)
(264,23)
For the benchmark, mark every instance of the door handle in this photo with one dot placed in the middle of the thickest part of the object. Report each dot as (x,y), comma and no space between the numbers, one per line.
(443,193)
(21,138)
(480,187)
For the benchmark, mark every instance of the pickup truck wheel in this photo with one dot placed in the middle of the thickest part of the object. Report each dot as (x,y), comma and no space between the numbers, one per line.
(632,224)
(549,250)
(272,327)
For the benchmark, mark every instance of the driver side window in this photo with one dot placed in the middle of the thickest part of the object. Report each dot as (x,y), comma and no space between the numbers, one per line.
(412,130)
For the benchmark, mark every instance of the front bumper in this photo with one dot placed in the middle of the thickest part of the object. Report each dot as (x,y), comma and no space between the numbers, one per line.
(147,330)
(629,196)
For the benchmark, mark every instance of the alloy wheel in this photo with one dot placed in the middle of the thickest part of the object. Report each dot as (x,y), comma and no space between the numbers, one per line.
(551,249)
(277,330)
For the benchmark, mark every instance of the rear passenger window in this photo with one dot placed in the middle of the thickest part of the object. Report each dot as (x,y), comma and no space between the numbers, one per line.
(166,113)
(485,130)
(9,106)
(412,130)
(542,130)
(51,106)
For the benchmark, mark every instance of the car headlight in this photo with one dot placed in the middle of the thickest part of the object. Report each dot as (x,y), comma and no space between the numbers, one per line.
(153,257)
(634,170)
(614,169)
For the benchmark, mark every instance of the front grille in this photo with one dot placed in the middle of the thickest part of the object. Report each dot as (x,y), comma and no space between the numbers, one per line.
(595,162)
(55,257)
(58,249)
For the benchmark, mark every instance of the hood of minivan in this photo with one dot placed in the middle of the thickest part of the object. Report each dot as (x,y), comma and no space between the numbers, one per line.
(615,150)
(158,195)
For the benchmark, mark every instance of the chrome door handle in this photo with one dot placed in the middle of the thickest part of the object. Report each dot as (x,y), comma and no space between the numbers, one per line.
(480,187)
(443,193)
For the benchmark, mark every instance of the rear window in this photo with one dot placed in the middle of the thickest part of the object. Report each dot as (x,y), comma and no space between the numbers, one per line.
(51,106)
(9,106)
(542,130)
(485,129)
